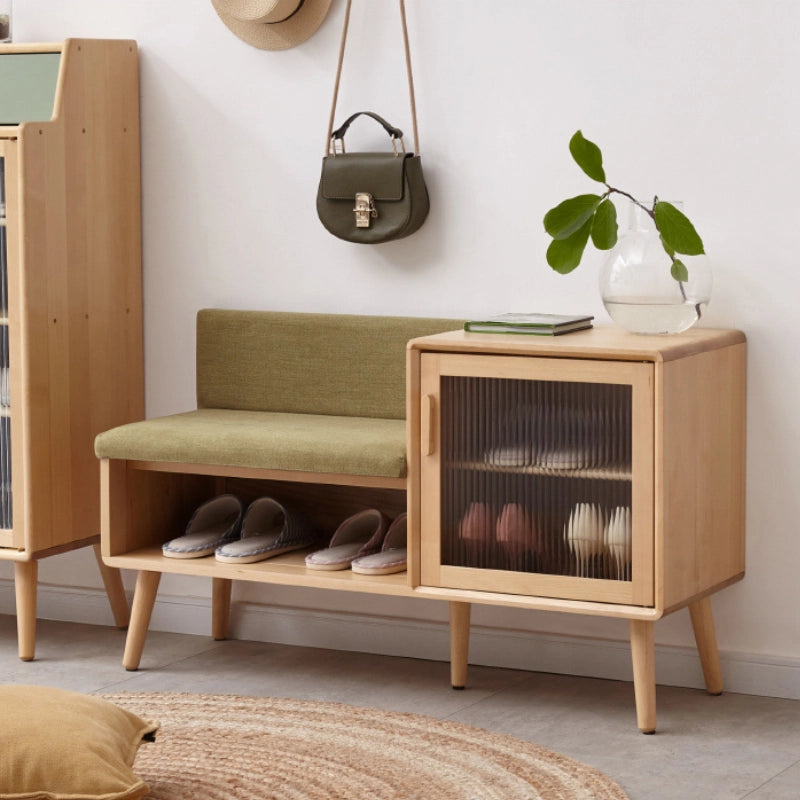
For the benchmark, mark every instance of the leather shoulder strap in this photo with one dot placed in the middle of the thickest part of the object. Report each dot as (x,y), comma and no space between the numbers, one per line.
(343,128)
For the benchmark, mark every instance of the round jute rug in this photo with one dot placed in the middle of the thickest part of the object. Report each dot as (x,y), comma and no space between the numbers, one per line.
(222,747)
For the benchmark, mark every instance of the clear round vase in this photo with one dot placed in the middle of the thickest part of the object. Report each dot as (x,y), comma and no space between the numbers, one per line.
(5,21)
(638,289)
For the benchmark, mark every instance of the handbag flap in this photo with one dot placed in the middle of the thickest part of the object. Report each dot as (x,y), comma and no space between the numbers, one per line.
(379,174)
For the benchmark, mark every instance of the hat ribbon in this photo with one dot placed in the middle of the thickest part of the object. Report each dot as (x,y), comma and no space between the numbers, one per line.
(278,21)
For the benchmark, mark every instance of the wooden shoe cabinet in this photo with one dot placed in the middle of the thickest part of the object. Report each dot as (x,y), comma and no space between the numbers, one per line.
(70,325)
(596,473)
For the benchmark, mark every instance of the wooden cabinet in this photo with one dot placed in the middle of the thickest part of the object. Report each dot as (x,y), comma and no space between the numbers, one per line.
(598,472)
(71,318)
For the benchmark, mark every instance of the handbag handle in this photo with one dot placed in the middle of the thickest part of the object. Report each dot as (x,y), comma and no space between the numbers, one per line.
(343,128)
(339,133)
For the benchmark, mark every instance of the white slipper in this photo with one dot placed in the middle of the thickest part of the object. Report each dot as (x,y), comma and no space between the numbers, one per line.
(214,523)
(268,529)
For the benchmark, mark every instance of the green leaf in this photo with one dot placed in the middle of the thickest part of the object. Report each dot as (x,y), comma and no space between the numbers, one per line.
(676,230)
(571,215)
(679,271)
(564,255)
(588,157)
(604,226)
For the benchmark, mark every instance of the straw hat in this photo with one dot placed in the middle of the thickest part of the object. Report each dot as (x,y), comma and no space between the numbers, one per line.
(272,24)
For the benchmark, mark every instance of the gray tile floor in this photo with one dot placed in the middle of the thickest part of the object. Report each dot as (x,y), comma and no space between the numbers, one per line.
(706,748)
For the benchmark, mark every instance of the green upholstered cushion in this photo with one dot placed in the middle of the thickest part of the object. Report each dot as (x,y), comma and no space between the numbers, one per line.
(334,364)
(265,440)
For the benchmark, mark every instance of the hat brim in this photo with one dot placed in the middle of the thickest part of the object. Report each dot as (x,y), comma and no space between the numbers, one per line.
(279,35)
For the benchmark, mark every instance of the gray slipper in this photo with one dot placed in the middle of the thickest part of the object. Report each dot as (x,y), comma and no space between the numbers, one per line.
(268,529)
(213,524)
(393,556)
(358,535)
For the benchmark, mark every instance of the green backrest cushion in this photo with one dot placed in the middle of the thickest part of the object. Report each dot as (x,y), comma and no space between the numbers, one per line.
(333,364)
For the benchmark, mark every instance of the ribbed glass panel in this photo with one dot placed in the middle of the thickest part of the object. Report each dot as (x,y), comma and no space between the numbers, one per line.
(536,476)
(5,419)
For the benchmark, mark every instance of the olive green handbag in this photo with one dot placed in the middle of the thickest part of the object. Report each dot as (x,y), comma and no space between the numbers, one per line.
(370,198)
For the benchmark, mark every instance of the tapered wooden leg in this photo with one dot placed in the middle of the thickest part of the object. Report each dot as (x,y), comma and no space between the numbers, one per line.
(112,580)
(25,579)
(459,643)
(643,653)
(144,598)
(220,607)
(706,639)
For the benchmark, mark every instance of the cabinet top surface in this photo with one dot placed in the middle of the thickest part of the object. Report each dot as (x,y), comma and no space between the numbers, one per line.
(602,341)
(54,47)
(31,47)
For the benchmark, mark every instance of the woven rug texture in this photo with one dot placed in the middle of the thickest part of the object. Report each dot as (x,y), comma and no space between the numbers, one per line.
(224,747)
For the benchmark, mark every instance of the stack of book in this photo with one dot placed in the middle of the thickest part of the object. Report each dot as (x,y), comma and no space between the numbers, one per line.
(536,324)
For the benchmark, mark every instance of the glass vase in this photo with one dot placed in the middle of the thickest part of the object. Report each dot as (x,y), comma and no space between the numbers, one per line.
(638,289)
(5,21)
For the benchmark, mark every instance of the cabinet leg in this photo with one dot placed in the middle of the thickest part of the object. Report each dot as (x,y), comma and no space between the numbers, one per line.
(26,574)
(144,598)
(112,580)
(459,643)
(706,639)
(643,654)
(220,607)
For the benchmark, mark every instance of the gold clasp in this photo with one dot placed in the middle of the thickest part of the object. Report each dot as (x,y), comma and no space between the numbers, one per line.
(394,145)
(364,209)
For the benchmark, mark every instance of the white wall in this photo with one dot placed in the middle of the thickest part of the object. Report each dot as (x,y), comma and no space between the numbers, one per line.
(694,101)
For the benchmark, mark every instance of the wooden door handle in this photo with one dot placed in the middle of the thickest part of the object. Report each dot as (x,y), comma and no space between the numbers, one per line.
(427,424)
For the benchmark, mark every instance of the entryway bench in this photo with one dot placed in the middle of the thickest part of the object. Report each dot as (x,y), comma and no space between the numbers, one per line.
(307,408)
(333,414)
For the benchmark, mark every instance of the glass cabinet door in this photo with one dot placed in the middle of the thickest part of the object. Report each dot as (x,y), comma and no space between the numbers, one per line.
(6,512)
(537,476)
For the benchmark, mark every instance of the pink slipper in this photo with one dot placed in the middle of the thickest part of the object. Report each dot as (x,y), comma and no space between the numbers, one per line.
(477,526)
(516,530)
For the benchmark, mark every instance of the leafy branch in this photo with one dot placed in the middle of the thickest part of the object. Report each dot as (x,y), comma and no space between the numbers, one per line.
(573,222)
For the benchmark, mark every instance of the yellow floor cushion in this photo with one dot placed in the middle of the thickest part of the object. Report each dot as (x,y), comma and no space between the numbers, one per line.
(62,745)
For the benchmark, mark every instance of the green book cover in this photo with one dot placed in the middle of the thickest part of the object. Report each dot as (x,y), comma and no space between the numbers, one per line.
(533,323)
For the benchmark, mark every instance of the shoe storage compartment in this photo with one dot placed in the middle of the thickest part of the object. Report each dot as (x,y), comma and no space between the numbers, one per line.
(149,504)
